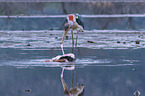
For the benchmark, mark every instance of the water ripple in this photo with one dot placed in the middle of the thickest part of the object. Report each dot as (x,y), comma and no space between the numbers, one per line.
(106,39)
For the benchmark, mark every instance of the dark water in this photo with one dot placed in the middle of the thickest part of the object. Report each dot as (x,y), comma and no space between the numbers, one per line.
(104,72)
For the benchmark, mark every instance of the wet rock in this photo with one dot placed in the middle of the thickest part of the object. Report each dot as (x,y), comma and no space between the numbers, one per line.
(137,42)
(124,42)
(118,42)
(90,42)
(28,90)
(48,42)
(66,37)
(51,29)
(140,36)
(28,45)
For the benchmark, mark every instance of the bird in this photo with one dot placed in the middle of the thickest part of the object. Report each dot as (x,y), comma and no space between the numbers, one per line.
(73,22)
(70,57)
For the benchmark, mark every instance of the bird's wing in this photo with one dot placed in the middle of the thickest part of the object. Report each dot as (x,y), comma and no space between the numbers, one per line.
(80,21)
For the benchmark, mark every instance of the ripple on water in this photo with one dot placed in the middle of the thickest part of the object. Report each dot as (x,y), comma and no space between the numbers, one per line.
(105,39)
(80,63)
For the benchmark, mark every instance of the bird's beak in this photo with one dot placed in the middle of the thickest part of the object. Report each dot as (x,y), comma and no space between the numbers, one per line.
(64,35)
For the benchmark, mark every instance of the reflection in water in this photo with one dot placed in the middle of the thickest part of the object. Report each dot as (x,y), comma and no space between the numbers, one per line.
(79,89)
(73,91)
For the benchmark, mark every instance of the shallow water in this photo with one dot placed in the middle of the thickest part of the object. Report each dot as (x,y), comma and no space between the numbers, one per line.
(106,39)
(106,68)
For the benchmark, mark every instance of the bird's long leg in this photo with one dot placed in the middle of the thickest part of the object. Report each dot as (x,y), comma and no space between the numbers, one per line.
(64,35)
(72,79)
(76,77)
(62,73)
(72,38)
(63,82)
(76,38)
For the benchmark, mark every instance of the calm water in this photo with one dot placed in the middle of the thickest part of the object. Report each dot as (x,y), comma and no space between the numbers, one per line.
(105,67)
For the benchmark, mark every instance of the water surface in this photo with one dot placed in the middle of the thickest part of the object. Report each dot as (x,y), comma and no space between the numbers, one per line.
(105,67)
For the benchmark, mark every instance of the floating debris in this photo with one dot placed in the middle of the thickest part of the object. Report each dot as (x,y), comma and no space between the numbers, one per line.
(55,37)
(90,42)
(51,34)
(118,42)
(66,37)
(28,45)
(140,36)
(131,41)
(124,42)
(137,93)
(48,42)
(28,90)
(51,29)
(137,42)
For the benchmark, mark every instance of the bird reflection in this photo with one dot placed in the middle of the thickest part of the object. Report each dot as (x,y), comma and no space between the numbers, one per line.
(73,91)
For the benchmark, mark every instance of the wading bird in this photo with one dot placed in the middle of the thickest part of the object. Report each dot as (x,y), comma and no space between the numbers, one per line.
(74,22)
(70,57)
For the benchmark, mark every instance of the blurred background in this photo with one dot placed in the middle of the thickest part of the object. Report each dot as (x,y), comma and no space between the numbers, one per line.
(62,8)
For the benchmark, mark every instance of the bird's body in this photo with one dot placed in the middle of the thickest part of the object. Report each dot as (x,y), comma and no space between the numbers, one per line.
(70,57)
(73,22)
